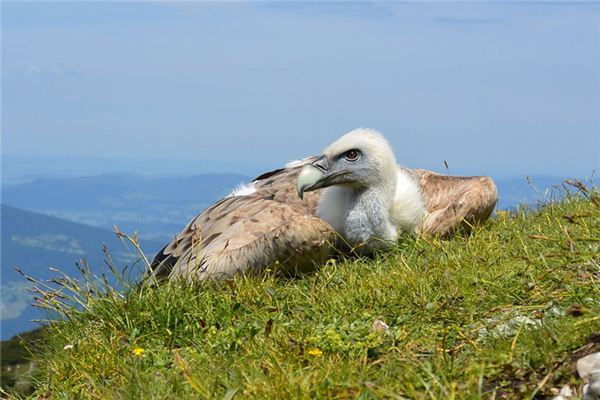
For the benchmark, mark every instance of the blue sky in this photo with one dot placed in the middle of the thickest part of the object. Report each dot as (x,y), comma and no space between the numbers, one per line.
(492,88)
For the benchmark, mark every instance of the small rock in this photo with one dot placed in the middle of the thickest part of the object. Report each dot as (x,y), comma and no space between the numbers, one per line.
(565,393)
(588,365)
(591,391)
(588,393)
(379,326)
(588,369)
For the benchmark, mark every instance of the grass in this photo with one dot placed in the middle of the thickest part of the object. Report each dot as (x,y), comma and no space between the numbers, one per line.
(16,368)
(501,313)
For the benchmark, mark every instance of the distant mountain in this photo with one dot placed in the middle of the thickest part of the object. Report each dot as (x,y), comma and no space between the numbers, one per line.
(156,206)
(33,242)
(22,169)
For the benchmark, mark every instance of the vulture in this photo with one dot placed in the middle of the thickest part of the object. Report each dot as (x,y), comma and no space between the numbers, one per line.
(291,220)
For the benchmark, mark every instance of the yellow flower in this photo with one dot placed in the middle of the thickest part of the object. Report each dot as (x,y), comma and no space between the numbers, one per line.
(315,352)
(502,214)
(138,351)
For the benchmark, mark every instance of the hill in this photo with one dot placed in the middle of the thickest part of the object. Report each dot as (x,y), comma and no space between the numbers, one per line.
(23,169)
(33,242)
(156,206)
(501,313)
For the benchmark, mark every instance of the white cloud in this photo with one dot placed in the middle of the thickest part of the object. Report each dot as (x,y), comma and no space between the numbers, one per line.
(14,299)
(33,70)
(56,70)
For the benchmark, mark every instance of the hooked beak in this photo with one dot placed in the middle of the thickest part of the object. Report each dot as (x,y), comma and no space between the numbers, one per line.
(315,176)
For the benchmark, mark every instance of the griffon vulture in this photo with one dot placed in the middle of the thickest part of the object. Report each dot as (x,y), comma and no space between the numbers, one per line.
(281,219)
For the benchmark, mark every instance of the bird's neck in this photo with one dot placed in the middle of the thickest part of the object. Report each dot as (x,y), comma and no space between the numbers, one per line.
(375,215)
(368,217)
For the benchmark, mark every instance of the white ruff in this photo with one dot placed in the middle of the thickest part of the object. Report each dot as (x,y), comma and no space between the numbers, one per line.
(406,212)
(332,206)
(243,189)
(408,208)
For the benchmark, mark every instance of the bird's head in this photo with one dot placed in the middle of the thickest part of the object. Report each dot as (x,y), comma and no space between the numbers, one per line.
(358,160)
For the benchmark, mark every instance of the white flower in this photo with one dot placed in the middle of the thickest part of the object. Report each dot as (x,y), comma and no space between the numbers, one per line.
(379,326)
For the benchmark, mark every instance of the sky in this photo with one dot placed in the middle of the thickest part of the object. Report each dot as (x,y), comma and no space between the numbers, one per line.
(504,89)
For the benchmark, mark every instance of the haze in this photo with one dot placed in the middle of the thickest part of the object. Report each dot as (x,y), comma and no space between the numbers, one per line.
(491,88)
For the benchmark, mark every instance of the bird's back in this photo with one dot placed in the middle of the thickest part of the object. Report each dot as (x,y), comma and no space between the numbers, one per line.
(268,227)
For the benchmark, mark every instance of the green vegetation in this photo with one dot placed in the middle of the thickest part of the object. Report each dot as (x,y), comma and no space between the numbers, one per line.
(503,312)
(16,368)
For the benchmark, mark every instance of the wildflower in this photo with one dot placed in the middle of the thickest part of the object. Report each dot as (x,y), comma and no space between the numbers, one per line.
(315,352)
(502,214)
(138,351)
(379,326)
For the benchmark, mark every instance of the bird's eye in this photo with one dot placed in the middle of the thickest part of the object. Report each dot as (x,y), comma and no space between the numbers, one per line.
(351,155)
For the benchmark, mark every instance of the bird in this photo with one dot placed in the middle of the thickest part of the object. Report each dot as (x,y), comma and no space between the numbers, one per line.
(370,199)
(292,220)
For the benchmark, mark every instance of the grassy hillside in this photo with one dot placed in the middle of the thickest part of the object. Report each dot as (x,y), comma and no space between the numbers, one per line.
(16,367)
(500,313)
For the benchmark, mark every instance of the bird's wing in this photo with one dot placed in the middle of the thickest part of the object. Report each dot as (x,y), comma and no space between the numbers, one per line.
(454,201)
(280,184)
(270,227)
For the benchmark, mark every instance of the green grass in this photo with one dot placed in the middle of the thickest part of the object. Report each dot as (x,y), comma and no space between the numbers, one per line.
(16,368)
(499,313)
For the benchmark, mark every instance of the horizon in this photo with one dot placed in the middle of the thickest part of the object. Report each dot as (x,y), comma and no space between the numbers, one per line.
(18,169)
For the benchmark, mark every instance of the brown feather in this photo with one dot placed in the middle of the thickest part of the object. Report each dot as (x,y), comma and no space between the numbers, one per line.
(455,202)
(270,227)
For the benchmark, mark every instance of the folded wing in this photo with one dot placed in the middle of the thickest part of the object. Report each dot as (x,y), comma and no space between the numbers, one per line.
(269,227)
(455,202)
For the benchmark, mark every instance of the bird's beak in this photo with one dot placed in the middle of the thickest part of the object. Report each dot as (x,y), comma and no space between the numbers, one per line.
(310,175)
(319,175)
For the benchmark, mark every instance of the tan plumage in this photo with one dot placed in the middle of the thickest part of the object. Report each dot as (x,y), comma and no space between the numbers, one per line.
(365,200)
(455,202)
(250,232)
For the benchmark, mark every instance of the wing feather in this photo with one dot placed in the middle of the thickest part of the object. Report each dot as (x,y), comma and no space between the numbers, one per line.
(455,202)
(250,232)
